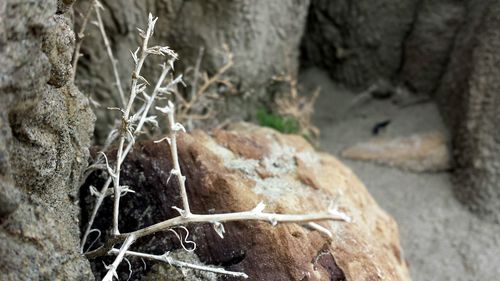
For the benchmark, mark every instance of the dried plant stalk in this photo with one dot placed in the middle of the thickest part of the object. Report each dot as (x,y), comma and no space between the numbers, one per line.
(132,123)
(79,38)
(195,105)
(293,104)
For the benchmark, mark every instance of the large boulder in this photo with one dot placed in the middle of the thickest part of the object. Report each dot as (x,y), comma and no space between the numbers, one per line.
(262,35)
(469,96)
(235,169)
(45,130)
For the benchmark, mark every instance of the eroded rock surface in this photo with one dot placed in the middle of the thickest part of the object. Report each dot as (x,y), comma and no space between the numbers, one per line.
(469,96)
(234,170)
(45,130)
(358,42)
(406,42)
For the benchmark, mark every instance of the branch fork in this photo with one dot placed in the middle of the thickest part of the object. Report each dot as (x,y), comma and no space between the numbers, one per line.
(132,123)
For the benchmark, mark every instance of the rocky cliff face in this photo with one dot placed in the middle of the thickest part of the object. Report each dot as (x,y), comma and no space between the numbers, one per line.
(46,125)
(469,95)
(234,170)
(358,42)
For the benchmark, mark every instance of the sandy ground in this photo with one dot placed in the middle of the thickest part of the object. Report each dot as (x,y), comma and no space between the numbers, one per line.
(441,240)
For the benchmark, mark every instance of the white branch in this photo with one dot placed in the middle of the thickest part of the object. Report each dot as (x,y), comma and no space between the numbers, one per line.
(109,51)
(143,53)
(131,126)
(320,228)
(122,153)
(176,171)
(120,254)
(167,259)
(79,38)
(237,216)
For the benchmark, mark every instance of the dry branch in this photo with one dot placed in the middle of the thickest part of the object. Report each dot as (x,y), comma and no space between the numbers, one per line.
(132,122)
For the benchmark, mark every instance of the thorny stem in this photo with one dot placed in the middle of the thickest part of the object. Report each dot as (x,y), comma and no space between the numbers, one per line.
(254,214)
(125,120)
(121,154)
(79,38)
(121,253)
(102,192)
(165,258)
(175,160)
(236,216)
(185,217)
(196,72)
(151,99)
(98,202)
(109,51)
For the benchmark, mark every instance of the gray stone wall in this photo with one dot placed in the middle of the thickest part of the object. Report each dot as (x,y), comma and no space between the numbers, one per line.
(45,132)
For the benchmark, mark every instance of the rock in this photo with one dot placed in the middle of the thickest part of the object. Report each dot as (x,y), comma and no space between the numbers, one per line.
(406,42)
(358,42)
(223,171)
(429,44)
(260,34)
(34,245)
(10,198)
(426,152)
(58,46)
(51,136)
(469,99)
(446,49)
(45,130)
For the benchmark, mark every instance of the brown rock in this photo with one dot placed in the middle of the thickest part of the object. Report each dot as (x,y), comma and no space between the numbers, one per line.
(219,179)
(426,152)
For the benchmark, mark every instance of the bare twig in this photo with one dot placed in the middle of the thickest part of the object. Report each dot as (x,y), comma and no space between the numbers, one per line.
(149,103)
(194,106)
(196,73)
(167,259)
(122,153)
(255,214)
(79,38)
(293,104)
(109,51)
(125,130)
(121,253)
(172,140)
(131,125)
